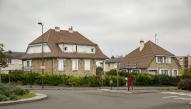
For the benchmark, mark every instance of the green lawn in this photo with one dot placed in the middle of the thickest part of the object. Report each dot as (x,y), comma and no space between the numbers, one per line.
(28,95)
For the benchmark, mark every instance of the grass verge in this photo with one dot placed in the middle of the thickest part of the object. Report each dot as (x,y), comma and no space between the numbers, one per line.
(28,95)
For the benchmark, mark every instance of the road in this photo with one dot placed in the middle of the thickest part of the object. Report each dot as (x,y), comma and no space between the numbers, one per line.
(97,99)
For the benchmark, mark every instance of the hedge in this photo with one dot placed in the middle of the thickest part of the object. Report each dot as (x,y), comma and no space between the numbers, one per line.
(141,79)
(145,79)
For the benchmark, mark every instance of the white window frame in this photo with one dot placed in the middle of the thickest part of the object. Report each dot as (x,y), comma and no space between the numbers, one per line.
(61,64)
(87,64)
(28,63)
(169,60)
(165,59)
(37,48)
(168,73)
(26,66)
(85,49)
(75,65)
(173,73)
(157,59)
(70,48)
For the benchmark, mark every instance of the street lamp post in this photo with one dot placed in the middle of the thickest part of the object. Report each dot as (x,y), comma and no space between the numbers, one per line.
(42,67)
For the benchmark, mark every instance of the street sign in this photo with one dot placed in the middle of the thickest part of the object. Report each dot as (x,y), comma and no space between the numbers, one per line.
(42,67)
(130,65)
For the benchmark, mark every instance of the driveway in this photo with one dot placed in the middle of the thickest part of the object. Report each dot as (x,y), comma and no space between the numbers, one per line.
(97,99)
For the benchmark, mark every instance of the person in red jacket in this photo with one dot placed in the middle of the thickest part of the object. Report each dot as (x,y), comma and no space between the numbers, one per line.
(130,82)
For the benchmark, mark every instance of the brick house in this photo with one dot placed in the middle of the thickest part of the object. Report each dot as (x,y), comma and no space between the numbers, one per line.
(151,58)
(65,52)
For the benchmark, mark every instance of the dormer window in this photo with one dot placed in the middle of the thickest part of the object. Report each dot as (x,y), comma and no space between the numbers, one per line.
(71,48)
(163,59)
(37,48)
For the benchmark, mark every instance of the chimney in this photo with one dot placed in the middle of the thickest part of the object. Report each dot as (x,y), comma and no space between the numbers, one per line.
(142,44)
(57,29)
(70,30)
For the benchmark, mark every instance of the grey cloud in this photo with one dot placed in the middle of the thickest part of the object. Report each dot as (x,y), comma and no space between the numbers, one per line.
(117,26)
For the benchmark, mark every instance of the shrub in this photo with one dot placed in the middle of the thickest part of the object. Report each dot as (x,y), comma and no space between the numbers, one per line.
(114,72)
(3,97)
(185,84)
(74,81)
(99,71)
(53,80)
(92,81)
(121,80)
(10,92)
(146,79)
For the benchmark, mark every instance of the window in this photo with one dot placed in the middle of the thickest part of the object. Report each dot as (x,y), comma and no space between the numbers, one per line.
(159,59)
(175,72)
(164,72)
(61,65)
(37,48)
(9,60)
(85,49)
(74,64)
(67,47)
(163,59)
(87,65)
(168,60)
(28,63)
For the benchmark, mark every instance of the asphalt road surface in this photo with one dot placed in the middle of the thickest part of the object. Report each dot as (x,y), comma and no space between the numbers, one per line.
(97,99)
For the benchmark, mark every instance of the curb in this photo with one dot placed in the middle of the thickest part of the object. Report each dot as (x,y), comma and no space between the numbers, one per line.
(27,100)
(127,92)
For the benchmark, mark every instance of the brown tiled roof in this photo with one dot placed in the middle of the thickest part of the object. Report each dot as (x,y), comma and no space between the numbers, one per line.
(142,59)
(14,55)
(114,60)
(53,38)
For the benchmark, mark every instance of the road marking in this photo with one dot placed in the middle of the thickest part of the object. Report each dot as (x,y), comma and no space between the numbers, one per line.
(177,97)
(177,93)
(180,98)
(169,97)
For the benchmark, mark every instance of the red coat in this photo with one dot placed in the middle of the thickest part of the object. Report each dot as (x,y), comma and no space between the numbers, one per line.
(130,81)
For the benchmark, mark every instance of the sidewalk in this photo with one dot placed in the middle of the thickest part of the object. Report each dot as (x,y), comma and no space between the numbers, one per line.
(136,88)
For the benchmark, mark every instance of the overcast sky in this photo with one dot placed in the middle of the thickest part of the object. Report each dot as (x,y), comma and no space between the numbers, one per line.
(116,26)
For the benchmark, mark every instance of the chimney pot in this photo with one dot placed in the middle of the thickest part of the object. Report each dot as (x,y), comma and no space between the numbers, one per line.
(70,29)
(142,44)
(57,29)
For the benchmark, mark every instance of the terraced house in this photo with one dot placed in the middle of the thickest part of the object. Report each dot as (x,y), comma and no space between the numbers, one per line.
(65,52)
(151,58)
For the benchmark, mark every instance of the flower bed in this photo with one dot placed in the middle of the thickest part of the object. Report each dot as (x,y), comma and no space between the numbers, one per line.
(10,92)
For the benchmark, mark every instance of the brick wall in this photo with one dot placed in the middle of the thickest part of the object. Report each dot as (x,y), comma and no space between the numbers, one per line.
(51,66)
(171,66)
